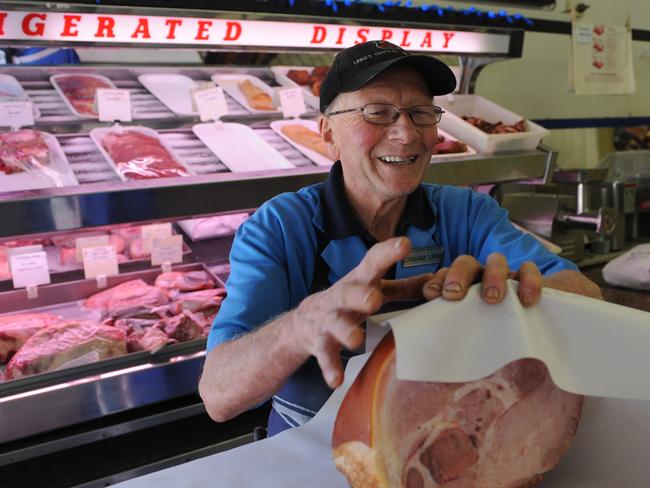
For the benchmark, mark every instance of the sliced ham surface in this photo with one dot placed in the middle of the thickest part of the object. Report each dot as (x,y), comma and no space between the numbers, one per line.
(181,281)
(504,430)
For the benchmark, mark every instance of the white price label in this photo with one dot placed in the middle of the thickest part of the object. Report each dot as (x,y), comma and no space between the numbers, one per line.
(155,231)
(583,34)
(16,114)
(113,104)
(167,250)
(29,269)
(292,102)
(92,241)
(99,261)
(211,103)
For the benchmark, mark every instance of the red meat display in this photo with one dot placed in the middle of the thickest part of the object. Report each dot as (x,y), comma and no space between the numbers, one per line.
(58,345)
(16,329)
(313,80)
(175,281)
(444,146)
(138,156)
(22,150)
(80,91)
(505,430)
(496,128)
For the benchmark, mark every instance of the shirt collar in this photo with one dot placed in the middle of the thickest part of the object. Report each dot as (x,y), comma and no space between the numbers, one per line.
(339,220)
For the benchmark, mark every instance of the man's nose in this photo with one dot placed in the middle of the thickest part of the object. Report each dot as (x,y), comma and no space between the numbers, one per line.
(404,129)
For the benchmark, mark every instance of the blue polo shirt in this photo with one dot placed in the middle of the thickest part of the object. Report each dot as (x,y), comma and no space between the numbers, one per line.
(298,243)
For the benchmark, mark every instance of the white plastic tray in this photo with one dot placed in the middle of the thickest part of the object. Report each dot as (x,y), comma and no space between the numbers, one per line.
(229,83)
(55,84)
(280,73)
(476,106)
(172,90)
(10,88)
(35,180)
(239,147)
(98,133)
(316,157)
(448,137)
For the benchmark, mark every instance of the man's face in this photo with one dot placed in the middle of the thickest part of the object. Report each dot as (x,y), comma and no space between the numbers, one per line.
(382,162)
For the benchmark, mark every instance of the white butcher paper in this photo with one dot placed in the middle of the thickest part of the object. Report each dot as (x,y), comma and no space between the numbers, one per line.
(610,450)
(590,347)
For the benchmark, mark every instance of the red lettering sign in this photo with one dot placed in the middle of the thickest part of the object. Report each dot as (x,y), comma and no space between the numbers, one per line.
(319,35)
(204,25)
(105,26)
(426,42)
(362,36)
(69,25)
(233,31)
(405,36)
(448,36)
(142,29)
(172,24)
(38,28)
(386,34)
(3,15)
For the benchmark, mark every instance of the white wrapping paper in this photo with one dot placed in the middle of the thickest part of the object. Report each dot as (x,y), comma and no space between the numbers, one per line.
(611,448)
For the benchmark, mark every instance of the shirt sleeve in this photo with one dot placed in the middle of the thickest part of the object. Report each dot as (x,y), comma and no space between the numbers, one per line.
(258,283)
(491,231)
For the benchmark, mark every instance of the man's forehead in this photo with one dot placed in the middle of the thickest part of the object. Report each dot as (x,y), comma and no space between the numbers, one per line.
(397,79)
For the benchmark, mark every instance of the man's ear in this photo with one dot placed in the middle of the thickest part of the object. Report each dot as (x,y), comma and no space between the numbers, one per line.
(327,135)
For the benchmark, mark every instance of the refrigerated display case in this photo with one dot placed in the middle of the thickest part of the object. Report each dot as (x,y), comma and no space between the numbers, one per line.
(80,407)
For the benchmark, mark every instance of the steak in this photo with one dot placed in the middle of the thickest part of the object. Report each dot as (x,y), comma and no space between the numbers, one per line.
(138,156)
(178,281)
(16,329)
(80,91)
(129,299)
(23,150)
(503,431)
(57,345)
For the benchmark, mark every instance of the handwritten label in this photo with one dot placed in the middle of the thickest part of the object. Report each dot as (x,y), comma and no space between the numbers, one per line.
(200,86)
(29,269)
(211,103)
(99,261)
(167,250)
(292,102)
(583,34)
(155,231)
(91,241)
(16,114)
(113,104)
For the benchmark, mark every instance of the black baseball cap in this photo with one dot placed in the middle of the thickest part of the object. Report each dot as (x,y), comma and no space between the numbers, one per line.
(355,66)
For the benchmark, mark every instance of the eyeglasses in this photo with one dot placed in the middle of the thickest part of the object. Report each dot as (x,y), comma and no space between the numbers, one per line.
(386,113)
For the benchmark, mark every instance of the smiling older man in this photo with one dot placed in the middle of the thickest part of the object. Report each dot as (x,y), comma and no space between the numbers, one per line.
(308,267)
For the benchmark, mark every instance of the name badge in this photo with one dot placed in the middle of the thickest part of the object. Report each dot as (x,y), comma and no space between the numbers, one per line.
(424,255)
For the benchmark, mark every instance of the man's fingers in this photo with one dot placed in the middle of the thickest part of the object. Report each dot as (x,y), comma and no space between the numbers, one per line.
(433,288)
(353,297)
(530,284)
(495,274)
(406,288)
(461,274)
(329,360)
(379,259)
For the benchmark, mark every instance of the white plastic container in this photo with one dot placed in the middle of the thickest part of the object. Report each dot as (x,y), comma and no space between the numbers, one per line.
(314,156)
(173,90)
(470,151)
(54,79)
(230,84)
(10,88)
(280,73)
(99,133)
(456,106)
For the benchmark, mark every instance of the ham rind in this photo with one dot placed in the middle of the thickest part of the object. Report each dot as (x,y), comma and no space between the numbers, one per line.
(504,430)
(16,329)
(184,281)
(57,345)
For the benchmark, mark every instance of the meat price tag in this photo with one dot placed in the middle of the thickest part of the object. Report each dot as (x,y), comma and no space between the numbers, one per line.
(292,102)
(167,250)
(583,34)
(16,114)
(155,231)
(211,103)
(29,269)
(99,260)
(113,104)
(92,241)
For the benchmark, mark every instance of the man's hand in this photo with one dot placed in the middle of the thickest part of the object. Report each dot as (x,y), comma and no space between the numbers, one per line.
(452,283)
(326,321)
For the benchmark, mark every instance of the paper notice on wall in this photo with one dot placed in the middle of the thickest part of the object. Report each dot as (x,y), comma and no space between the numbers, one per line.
(601,60)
